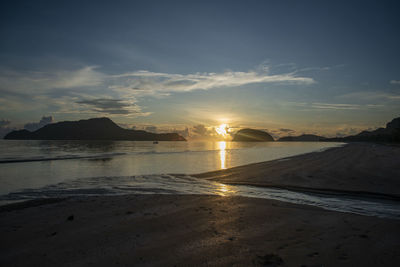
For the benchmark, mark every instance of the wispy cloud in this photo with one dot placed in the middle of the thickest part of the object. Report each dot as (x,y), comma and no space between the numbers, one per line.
(165,82)
(394,82)
(337,106)
(88,90)
(368,95)
(332,106)
(113,106)
(35,82)
(144,80)
(286,130)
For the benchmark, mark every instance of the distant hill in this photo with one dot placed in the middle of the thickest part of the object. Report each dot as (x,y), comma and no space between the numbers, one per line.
(91,129)
(303,138)
(251,135)
(389,134)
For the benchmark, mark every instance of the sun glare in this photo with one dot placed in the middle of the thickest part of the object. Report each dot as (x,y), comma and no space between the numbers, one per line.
(222,130)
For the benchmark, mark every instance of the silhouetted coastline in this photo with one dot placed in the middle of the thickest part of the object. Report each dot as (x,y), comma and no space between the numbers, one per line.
(303,138)
(389,134)
(252,135)
(91,129)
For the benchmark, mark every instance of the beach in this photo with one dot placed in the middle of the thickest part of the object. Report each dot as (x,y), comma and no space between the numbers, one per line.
(356,168)
(181,230)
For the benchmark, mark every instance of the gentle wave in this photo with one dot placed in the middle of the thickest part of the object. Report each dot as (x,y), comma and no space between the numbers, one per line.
(101,156)
(183,184)
(63,157)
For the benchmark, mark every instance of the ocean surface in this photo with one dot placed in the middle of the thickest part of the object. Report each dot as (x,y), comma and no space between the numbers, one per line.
(34,164)
(43,169)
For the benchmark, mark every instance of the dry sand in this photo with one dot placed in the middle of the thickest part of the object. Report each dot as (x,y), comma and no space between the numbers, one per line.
(169,230)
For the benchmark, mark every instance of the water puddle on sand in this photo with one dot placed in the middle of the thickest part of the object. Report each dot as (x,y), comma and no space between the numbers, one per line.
(183,184)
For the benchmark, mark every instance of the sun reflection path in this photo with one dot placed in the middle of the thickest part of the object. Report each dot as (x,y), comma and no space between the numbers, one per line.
(222,153)
(224,190)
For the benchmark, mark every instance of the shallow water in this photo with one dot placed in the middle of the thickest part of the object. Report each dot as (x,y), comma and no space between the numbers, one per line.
(43,169)
(34,164)
(183,184)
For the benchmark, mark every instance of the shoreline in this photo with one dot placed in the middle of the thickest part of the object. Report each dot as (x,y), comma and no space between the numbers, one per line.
(323,191)
(225,177)
(170,230)
(362,169)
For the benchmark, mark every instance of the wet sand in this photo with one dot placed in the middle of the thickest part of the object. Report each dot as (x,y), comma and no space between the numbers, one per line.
(167,230)
(357,168)
(181,230)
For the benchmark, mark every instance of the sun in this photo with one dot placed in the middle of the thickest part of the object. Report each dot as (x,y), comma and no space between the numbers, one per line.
(222,130)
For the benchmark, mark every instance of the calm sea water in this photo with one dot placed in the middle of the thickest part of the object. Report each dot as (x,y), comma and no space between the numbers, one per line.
(34,164)
(42,169)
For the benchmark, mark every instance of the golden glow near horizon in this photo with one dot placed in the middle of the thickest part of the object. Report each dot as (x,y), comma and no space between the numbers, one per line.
(222,130)
(222,153)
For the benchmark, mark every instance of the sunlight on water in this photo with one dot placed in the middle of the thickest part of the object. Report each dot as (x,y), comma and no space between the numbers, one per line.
(224,190)
(34,164)
(184,184)
(222,153)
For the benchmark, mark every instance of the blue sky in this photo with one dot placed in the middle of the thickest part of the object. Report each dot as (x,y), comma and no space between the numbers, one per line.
(307,66)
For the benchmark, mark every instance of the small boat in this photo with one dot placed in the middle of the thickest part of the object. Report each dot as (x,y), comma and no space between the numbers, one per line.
(155,142)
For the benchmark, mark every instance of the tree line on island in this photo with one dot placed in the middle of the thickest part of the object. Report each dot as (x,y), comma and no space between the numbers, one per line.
(106,129)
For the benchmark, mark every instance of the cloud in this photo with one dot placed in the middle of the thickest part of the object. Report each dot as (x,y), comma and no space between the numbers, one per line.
(34,82)
(394,82)
(88,90)
(33,126)
(278,133)
(368,96)
(5,127)
(203,132)
(333,106)
(164,82)
(185,133)
(286,130)
(346,131)
(4,123)
(142,80)
(152,129)
(200,130)
(113,106)
(84,77)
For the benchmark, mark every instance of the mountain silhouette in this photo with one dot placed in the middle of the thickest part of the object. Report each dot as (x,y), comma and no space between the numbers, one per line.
(252,135)
(91,129)
(389,134)
(303,138)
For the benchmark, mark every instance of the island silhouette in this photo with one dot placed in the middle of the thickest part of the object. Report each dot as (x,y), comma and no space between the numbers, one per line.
(303,138)
(390,134)
(252,135)
(91,129)
(106,129)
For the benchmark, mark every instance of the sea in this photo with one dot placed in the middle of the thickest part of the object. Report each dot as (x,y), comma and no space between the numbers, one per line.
(52,169)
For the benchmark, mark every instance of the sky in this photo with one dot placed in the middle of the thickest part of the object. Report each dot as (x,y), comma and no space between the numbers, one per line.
(287,67)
